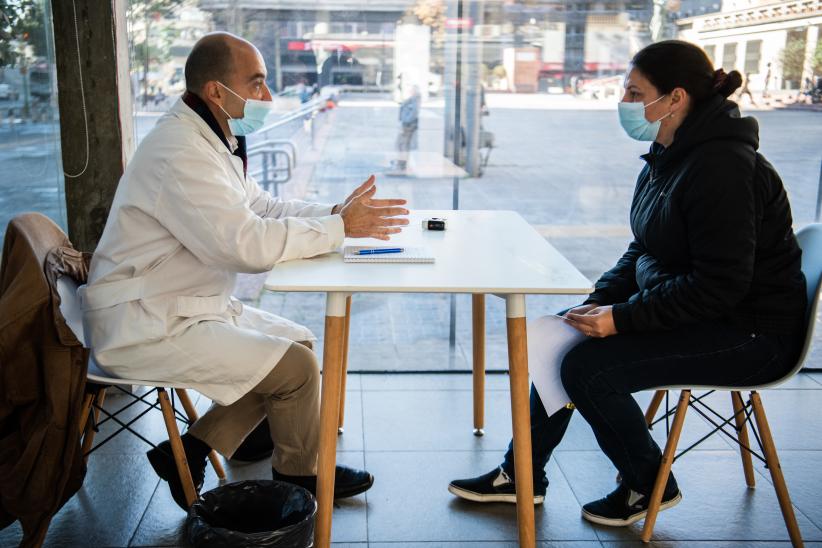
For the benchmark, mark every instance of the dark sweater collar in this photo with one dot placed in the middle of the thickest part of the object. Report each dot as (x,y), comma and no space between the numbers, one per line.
(199,106)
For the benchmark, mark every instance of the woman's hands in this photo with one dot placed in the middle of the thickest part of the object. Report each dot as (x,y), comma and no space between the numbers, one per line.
(592,320)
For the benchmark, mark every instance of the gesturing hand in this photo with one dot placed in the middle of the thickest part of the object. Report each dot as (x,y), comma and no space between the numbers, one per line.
(596,322)
(366,217)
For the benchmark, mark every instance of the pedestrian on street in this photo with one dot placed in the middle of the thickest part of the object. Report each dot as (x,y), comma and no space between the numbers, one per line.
(409,123)
(765,93)
(746,90)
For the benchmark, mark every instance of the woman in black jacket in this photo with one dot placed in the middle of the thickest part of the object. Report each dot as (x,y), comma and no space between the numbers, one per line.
(709,292)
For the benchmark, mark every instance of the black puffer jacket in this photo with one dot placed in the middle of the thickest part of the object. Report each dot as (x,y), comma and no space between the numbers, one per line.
(712,235)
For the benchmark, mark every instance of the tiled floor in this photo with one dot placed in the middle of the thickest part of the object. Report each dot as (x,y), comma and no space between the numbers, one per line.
(413,432)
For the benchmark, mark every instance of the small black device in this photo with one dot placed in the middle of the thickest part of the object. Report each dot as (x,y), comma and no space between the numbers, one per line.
(433,223)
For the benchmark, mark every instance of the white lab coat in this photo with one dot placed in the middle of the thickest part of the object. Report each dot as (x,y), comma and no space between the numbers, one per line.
(184,221)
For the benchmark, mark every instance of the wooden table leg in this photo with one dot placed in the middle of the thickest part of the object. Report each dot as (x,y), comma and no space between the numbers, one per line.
(521,417)
(346,329)
(329,409)
(478,339)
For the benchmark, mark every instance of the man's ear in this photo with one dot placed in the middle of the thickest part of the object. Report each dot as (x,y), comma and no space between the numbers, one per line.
(212,90)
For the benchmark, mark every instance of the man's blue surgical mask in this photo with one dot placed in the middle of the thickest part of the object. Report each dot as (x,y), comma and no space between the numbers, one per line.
(254,114)
(633,121)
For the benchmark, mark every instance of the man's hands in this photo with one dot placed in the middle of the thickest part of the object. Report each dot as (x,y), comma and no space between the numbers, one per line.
(365,217)
(592,320)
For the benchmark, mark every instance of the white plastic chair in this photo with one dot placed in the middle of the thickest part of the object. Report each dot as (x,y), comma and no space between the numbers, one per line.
(810,240)
(97,381)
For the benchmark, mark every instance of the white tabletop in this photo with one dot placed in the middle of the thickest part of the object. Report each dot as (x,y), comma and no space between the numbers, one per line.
(480,252)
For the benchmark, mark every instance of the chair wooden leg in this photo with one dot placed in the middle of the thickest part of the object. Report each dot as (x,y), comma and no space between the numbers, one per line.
(177,447)
(85,410)
(97,400)
(742,433)
(478,342)
(192,415)
(776,471)
(653,407)
(665,466)
(346,329)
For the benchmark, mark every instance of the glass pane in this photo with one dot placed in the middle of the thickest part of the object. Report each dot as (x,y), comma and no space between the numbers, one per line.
(31,178)
(729,56)
(469,104)
(753,53)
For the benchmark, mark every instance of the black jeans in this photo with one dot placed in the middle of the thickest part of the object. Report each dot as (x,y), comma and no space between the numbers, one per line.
(601,374)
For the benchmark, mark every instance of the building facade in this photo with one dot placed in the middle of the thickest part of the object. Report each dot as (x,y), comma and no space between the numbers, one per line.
(775,43)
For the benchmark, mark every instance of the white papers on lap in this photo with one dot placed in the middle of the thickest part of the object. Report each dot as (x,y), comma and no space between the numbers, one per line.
(549,339)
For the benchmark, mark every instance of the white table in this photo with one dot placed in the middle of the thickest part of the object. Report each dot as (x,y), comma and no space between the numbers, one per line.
(481,252)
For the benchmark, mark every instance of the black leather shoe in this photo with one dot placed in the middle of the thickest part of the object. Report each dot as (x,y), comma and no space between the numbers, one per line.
(162,460)
(347,481)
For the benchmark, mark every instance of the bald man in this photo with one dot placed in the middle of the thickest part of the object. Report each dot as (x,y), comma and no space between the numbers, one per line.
(185,219)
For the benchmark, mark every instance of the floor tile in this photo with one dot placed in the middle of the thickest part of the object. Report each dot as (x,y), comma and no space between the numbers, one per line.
(434,421)
(716,505)
(802,381)
(352,438)
(410,502)
(802,472)
(487,544)
(791,416)
(458,381)
(816,377)
(107,508)
(702,544)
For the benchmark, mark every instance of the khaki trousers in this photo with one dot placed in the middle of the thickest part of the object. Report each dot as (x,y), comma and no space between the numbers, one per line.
(289,396)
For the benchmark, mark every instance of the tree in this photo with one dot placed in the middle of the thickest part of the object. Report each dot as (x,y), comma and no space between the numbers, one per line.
(21,23)
(431,13)
(792,58)
(816,62)
(152,47)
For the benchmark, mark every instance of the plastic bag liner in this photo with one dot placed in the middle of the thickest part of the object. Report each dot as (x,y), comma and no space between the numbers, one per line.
(253,513)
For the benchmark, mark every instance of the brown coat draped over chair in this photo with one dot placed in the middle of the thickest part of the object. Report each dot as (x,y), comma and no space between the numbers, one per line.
(42,377)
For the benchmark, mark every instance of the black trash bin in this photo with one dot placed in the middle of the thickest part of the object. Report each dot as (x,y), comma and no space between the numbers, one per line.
(253,513)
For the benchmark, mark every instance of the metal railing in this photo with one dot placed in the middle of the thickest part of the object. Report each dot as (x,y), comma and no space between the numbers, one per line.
(278,157)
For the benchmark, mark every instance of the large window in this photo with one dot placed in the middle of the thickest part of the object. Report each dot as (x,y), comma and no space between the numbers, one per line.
(753,55)
(31,174)
(711,52)
(729,56)
(517,112)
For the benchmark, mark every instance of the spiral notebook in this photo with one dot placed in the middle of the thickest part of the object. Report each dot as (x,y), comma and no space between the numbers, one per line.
(408,255)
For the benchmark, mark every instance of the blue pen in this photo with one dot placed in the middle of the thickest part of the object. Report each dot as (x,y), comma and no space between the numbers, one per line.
(380,251)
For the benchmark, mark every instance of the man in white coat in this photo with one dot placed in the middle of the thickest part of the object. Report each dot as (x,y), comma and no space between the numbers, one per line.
(185,219)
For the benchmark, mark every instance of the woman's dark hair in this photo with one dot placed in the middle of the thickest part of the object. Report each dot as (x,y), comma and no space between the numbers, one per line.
(676,64)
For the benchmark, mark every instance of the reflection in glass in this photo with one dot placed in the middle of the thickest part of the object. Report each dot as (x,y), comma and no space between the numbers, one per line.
(503,104)
(31,176)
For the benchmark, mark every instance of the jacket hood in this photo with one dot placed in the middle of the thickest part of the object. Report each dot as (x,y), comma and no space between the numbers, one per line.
(715,119)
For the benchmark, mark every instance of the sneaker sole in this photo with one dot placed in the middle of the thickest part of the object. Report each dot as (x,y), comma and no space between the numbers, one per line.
(631,519)
(479,497)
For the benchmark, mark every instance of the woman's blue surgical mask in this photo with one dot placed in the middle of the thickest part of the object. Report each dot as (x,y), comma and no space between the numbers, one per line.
(633,121)
(254,114)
